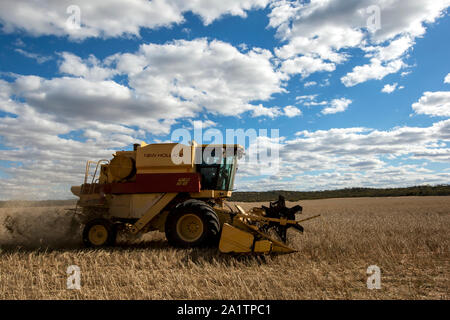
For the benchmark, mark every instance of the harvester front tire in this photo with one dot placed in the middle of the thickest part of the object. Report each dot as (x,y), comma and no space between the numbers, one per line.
(99,233)
(192,223)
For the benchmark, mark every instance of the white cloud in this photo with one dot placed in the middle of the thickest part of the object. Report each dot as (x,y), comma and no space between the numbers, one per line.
(89,69)
(19,43)
(112,18)
(291,111)
(397,16)
(39,58)
(310,84)
(326,29)
(261,111)
(282,12)
(210,10)
(331,107)
(352,157)
(387,176)
(325,44)
(394,50)
(305,66)
(405,73)
(203,123)
(306,97)
(213,75)
(361,142)
(447,79)
(389,88)
(436,104)
(165,82)
(98,18)
(325,83)
(310,100)
(337,105)
(375,70)
(38,152)
(313,103)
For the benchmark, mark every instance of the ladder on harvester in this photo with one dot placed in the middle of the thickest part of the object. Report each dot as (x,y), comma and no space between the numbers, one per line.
(85,187)
(87,175)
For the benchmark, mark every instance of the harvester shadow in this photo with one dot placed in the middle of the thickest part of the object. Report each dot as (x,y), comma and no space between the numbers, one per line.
(196,256)
(11,249)
(199,256)
(151,245)
(154,245)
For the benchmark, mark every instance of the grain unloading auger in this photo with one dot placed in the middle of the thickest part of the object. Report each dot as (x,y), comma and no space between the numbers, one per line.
(179,190)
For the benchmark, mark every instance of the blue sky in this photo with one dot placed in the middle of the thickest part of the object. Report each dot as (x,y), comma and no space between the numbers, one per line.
(359,90)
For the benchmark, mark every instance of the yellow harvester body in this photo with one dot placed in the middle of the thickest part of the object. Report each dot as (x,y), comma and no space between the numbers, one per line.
(180,190)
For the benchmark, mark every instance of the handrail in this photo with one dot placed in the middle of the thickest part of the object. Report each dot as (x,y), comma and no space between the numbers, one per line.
(86,173)
(96,168)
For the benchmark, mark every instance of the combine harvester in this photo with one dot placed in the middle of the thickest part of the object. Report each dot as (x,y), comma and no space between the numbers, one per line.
(161,187)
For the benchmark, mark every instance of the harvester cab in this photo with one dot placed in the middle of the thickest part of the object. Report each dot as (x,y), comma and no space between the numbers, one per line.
(180,190)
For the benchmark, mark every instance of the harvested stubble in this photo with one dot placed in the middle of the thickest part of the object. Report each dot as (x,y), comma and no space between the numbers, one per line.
(408,238)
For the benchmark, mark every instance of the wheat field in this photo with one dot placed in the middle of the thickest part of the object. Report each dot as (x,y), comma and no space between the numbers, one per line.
(407,238)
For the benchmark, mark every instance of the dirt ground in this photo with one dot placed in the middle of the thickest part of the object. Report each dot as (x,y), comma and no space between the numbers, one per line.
(407,238)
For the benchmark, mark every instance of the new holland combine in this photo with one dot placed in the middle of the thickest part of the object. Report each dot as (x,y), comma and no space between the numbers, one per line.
(179,190)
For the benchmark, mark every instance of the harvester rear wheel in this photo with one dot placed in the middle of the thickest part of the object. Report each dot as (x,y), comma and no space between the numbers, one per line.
(192,223)
(99,233)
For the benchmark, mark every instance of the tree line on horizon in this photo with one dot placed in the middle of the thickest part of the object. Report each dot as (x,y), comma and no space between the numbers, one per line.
(264,196)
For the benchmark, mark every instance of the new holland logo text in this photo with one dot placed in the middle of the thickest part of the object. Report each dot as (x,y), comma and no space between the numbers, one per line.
(156,155)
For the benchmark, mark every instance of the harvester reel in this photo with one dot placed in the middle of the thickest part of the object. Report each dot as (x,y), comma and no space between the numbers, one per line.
(278,210)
